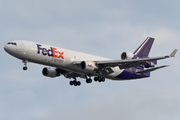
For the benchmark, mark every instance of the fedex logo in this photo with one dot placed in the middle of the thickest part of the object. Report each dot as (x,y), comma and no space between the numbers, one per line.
(91,66)
(52,52)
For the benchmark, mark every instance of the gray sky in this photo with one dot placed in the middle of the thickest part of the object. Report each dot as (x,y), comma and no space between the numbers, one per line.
(100,27)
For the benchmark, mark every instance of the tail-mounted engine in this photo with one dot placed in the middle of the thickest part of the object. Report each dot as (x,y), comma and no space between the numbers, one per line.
(127,56)
(50,72)
(145,64)
(89,66)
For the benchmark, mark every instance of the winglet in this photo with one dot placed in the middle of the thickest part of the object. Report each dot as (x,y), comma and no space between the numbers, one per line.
(173,53)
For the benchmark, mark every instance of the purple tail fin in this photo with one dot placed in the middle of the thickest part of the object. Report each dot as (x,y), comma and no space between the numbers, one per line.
(144,48)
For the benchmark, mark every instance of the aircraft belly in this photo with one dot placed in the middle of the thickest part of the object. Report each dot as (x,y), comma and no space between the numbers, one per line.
(106,74)
(129,74)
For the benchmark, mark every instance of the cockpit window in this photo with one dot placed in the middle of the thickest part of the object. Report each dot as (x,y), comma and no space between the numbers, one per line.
(12,43)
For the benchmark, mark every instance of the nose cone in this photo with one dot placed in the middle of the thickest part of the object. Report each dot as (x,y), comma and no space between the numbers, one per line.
(11,49)
(6,48)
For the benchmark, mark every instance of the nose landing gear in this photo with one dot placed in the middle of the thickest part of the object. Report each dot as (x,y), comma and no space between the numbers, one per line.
(25,63)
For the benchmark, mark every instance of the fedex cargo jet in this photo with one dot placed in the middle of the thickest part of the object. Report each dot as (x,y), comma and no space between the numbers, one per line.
(72,64)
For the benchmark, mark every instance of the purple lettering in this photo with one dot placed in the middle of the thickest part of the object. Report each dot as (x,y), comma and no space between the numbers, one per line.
(39,48)
(50,52)
(44,51)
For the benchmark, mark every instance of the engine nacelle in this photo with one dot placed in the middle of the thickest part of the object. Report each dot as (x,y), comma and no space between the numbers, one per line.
(50,72)
(89,66)
(127,56)
(150,64)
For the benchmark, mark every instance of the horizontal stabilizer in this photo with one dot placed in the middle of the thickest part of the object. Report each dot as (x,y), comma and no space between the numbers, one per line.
(173,53)
(150,70)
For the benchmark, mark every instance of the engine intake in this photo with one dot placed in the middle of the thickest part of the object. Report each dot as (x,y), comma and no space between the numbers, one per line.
(50,72)
(89,66)
(126,56)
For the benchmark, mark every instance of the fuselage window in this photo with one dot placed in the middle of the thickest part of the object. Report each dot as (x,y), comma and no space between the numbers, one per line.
(12,43)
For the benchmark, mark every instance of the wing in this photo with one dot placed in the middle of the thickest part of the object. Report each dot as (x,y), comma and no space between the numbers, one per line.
(133,62)
(70,74)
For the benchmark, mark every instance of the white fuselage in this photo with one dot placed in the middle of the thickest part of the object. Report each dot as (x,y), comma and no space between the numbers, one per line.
(74,64)
(56,57)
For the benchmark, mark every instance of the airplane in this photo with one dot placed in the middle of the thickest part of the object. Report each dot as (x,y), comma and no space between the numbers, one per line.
(74,64)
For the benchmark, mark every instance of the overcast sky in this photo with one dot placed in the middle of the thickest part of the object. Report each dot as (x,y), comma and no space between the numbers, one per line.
(101,27)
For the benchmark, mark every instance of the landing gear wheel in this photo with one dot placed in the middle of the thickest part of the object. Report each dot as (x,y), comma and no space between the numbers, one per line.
(95,79)
(75,84)
(71,83)
(103,79)
(25,68)
(78,83)
(99,79)
(88,80)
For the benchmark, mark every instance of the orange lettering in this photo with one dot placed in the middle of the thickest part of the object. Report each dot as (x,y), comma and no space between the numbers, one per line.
(54,52)
(57,52)
(61,55)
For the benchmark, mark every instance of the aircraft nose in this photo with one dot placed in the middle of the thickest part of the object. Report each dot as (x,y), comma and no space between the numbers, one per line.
(6,48)
(11,48)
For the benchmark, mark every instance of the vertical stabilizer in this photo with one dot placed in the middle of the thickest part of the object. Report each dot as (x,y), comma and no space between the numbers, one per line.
(144,48)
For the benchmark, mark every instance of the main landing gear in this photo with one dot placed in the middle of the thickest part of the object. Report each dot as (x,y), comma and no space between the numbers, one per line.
(25,63)
(88,80)
(99,79)
(75,82)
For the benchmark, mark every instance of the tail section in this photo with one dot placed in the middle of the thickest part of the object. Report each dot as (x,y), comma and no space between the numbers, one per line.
(144,48)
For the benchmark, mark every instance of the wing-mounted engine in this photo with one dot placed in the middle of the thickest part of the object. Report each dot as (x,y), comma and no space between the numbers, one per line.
(89,66)
(51,72)
(150,64)
(127,56)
